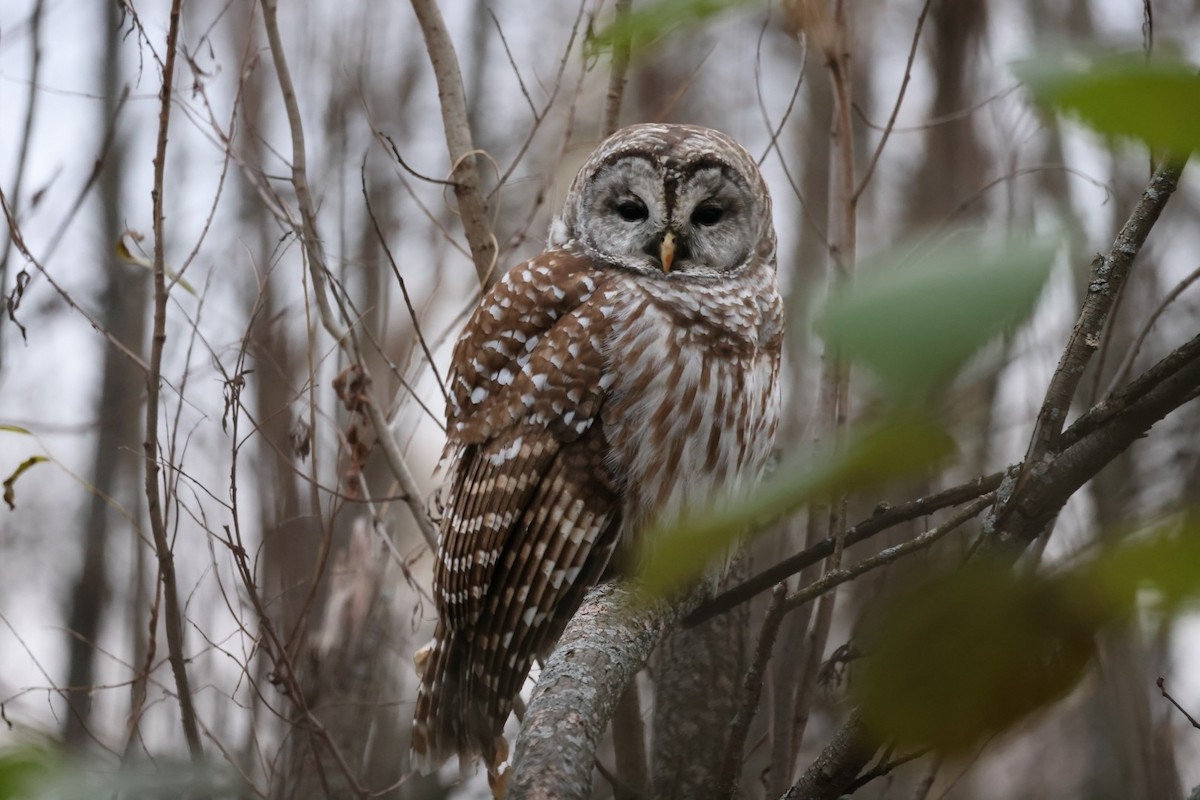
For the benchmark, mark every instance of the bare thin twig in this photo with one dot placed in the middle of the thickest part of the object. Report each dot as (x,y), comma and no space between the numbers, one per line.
(35,65)
(886,556)
(1108,275)
(412,313)
(776,130)
(512,62)
(172,618)
(886,764)
(1162,687)
(941,119)
(883,519)
(1126,365)
(1097,438)
(59,235)
(887,129)
(306,228)
(539,118)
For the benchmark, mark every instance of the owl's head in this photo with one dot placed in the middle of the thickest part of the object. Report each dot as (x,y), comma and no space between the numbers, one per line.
(672,201)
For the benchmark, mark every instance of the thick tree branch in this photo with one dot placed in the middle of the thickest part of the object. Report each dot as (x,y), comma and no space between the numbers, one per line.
(1099,415)
(1122,371)
(1060,475)
(709,662)
(1108,277)
(463,170)
(838,765)
(603,647)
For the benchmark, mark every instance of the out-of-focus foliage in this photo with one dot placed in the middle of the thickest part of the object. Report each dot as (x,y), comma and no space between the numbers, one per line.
(650,22)
(986,646)
(141,259)
(898,446)
(20,771)
(914,319)
(970,653)
(10,482)
(27,773)
(1154,101)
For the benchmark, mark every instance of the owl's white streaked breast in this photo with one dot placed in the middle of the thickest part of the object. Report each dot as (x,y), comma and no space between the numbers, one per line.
(694,403)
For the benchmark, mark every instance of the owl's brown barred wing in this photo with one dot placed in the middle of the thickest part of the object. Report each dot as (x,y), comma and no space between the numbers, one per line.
(526,378)
(558,547)
(530,353)
(531,502)
(570,531)
(493,484)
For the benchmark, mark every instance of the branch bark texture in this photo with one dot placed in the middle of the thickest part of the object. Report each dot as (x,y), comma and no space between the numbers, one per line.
(698,673)
(1065,472)
(837,766)
(603,647)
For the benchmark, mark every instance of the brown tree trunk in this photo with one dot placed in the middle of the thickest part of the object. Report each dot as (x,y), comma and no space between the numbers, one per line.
(698,679)
(116,464)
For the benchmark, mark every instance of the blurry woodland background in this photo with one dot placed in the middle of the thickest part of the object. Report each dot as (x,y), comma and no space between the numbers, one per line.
(301,577)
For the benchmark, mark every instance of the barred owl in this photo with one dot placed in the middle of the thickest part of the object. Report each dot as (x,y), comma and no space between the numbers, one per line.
(623,375)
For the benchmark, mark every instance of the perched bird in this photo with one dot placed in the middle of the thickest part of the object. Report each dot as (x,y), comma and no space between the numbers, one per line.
(626,373)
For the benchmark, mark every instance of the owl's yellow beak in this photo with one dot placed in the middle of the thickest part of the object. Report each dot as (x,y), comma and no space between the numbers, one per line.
(666,253)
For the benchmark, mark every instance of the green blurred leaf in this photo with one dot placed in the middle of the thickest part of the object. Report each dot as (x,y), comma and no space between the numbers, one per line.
(649,22)
(1125,95)
(896,447)
(1167,562)
(969,654)
(129,257)
(16,429)
(915,321)
(20,770)
(28,773)
(11,480)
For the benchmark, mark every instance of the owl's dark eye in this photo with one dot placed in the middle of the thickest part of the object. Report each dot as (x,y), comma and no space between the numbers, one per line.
(632,210)
(707,214)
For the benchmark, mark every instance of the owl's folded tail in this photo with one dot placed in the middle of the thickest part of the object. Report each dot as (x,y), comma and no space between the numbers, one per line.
(451,713)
